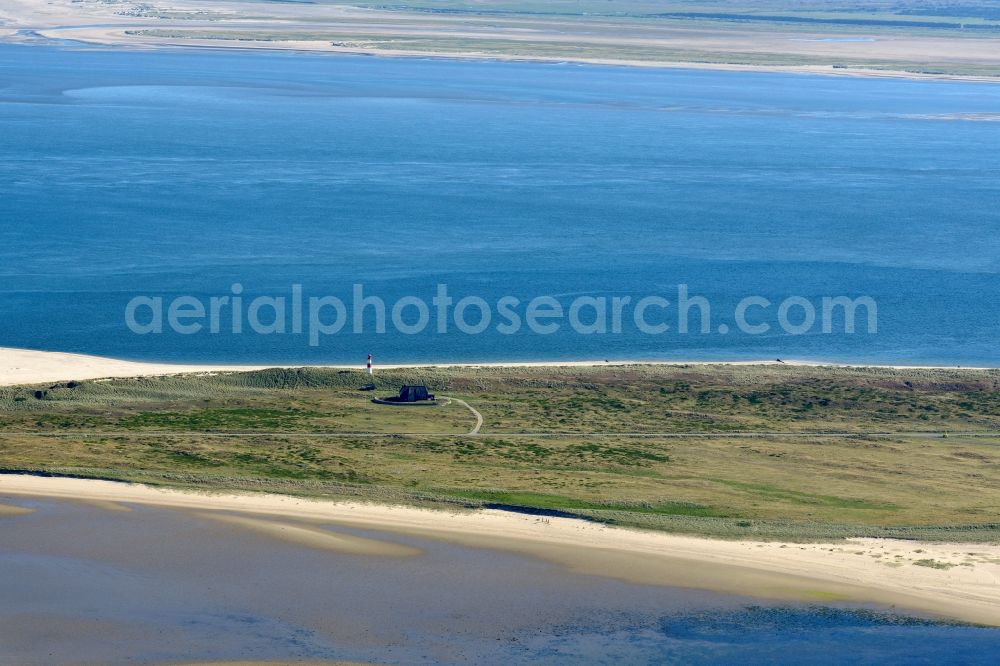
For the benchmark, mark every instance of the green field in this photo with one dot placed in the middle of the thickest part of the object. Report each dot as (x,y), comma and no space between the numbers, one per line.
(738,451)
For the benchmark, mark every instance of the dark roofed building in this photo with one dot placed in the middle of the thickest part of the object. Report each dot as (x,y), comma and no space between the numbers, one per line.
(414,393)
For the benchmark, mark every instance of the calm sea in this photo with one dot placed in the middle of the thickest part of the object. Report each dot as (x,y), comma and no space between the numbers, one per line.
(181,172)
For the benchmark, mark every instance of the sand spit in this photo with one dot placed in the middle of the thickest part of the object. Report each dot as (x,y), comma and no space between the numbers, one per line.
(105,505)
(313,537)
(24,366)
(8,510)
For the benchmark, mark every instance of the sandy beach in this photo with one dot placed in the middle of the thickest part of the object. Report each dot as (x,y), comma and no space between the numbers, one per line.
(24,366)
(964,584)
(947,580)
(28,366)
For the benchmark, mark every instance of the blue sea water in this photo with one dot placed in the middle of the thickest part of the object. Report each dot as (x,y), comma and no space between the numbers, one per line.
(181,172)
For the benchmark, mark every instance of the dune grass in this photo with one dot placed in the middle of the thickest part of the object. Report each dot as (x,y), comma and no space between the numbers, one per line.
(763,451)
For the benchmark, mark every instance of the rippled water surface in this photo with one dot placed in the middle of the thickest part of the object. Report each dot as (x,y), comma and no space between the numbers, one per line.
(181,172)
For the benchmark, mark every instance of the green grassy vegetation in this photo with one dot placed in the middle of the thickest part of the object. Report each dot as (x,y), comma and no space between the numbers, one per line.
(933,564)
(736,451)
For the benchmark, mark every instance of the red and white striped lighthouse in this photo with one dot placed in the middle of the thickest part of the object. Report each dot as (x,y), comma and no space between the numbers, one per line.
(369,365)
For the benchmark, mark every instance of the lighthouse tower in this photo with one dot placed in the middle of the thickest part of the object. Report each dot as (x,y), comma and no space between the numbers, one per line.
(370,386)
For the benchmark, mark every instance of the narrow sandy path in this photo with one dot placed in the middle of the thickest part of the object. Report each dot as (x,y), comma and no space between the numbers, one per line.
(475,412)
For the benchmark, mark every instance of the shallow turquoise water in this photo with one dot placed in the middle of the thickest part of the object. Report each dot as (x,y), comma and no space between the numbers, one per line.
(182,172)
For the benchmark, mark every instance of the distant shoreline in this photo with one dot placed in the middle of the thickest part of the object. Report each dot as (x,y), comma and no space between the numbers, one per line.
(28,366)
(294,48)
(863,51)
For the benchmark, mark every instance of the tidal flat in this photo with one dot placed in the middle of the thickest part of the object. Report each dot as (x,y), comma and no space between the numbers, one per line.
(153,585)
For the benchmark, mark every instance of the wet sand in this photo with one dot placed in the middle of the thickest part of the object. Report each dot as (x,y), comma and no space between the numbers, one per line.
(313,537)
(168,586)
(171,585)
(8,510)
(963,583)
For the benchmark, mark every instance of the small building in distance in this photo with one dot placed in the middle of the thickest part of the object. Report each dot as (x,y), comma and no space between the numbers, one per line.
(414,393)
(408,395)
